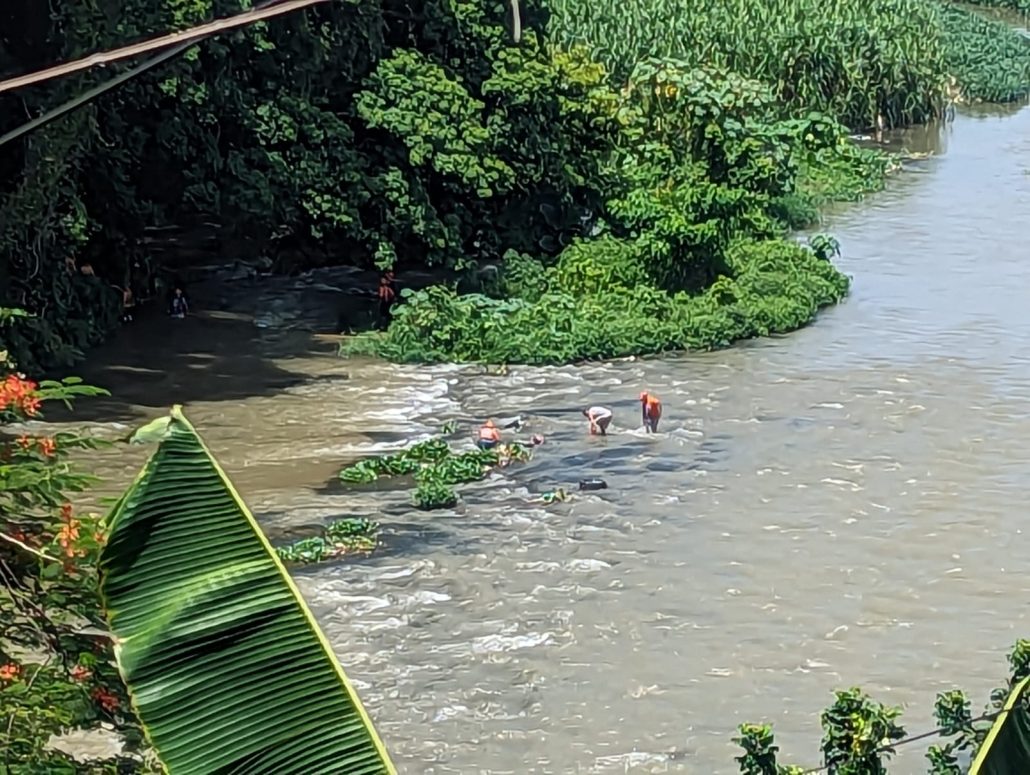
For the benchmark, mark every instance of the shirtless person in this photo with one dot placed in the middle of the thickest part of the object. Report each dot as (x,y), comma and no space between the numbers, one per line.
(600,418)
(489,436)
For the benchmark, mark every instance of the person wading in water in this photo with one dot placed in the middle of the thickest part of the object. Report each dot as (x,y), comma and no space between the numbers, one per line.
(600,417)
(489,436)
(650,411)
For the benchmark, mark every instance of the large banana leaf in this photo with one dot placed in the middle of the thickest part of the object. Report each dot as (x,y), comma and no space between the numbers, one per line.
(227,669)
(1006,750)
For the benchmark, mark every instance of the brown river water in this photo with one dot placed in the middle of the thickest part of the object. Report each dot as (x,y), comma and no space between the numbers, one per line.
(841,506)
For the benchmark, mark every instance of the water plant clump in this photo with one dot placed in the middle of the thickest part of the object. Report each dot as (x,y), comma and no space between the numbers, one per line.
(437,469)
(339,538)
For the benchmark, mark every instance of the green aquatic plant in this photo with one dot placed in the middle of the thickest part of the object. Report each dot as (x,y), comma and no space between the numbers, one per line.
(437,468)
(340,537)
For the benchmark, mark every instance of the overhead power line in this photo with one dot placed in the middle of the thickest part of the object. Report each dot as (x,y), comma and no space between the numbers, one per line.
(184,36)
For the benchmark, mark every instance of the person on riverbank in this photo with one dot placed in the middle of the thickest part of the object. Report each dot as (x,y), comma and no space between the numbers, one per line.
(489,436)
(650,411)
(599,417)
(387,297)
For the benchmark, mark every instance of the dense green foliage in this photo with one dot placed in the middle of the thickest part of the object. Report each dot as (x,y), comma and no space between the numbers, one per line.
(436,469)
(860,735)
(776,286)
(1022,6)
(57,670)
(382,134)
(853,60)
(702,181)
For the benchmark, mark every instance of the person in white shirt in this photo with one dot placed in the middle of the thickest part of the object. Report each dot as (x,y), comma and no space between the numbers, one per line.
(600,417)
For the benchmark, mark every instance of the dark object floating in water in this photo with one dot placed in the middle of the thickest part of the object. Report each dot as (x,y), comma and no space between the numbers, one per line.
(593,484)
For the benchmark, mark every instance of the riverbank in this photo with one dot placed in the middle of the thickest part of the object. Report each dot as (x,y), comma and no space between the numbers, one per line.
(572,163)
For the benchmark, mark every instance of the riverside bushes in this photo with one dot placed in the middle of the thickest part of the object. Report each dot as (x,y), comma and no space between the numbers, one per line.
(57,670)
(776,287)
(685,251)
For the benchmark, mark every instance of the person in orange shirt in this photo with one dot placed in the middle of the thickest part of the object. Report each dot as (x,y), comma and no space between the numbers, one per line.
(489,436)
(650,411)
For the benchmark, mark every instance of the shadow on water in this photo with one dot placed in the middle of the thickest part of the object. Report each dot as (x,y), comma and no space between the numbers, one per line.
(210,356)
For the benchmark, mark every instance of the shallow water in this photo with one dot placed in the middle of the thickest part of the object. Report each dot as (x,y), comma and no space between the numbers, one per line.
(840,506)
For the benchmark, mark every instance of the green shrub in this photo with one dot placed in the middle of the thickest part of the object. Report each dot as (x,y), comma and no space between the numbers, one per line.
(774,286)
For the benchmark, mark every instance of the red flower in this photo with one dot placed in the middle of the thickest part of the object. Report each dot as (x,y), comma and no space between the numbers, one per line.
(18,394)
(47,446)
(66,512)
(81,673)
(25,442)
(105,699)
(9,672)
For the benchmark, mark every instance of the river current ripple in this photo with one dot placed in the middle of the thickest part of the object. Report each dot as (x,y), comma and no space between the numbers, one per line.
(841,506)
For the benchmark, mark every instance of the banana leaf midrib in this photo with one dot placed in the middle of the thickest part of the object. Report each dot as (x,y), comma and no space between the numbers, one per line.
(205,613)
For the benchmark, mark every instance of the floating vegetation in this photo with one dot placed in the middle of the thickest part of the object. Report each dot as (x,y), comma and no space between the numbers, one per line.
(340,537)
(436,469)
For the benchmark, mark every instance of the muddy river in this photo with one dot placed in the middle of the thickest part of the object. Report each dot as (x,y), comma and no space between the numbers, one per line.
(840,506)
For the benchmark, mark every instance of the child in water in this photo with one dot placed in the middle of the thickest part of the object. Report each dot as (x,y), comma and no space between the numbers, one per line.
(180,308)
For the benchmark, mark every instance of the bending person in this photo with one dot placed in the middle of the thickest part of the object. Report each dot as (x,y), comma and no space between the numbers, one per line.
(489,436)
(600,417)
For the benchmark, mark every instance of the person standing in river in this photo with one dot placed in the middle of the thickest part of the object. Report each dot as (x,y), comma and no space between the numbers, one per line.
(600,417)
(650,411)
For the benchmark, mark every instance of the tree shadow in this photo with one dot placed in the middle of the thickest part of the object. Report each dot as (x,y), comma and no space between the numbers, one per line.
(155,361)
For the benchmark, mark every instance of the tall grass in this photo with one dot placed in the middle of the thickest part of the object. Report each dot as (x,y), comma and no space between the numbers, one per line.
(856,60)
(990,61)
(1023,6)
